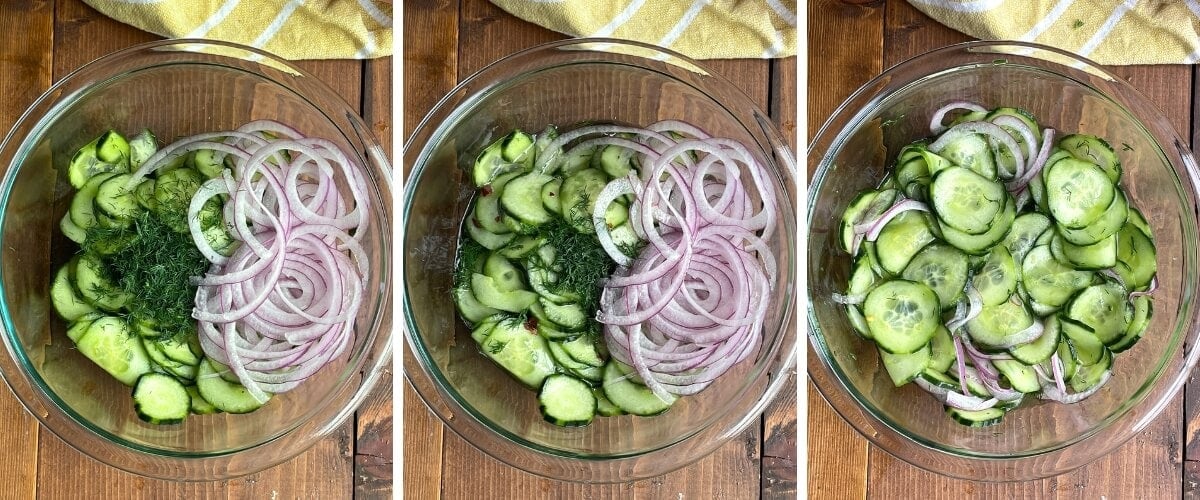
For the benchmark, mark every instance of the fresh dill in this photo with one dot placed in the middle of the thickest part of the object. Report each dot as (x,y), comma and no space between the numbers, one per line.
(582,263)
(155,265)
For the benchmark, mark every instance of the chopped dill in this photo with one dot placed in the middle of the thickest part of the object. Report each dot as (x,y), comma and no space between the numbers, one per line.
(155,267)
(582,261)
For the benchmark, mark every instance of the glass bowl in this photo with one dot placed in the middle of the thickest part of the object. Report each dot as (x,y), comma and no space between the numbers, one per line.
(1072,95)
(176,89)
(565,83)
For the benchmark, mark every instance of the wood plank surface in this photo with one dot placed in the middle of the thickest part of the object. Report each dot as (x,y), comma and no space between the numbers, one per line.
(430,58)
(373,461)
(849,38)
(26,65)
(441,56)
(54,38)
(1149,466)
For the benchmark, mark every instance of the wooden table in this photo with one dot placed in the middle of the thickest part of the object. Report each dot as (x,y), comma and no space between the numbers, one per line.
(444,42)
(850,42)
(41,43)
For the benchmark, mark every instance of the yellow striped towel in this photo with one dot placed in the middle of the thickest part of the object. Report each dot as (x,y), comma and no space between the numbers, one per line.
(291,29)
(1106,31)
(700,29)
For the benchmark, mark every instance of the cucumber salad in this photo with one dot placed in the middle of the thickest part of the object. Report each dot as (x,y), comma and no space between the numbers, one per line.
(998,262)
(613,269)
(216,271)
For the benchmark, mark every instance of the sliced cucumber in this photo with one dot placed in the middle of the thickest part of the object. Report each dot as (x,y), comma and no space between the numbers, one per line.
(902,315)
(161,400)
(567,401)
(631,396)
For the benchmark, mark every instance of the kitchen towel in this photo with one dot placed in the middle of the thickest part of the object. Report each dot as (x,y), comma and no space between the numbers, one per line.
(1114,32)
(291,29)
(700,29)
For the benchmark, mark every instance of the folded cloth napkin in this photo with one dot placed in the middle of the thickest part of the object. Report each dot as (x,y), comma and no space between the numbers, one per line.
(291,29)
(700,29)
(1113,32)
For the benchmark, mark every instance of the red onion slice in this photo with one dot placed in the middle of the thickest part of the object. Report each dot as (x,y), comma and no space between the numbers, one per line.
(1059,394)
(987,129)
(892,213)
(936,123)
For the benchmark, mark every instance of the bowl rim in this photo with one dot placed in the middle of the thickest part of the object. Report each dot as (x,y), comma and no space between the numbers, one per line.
(430,388)
(75,430)
(827,377)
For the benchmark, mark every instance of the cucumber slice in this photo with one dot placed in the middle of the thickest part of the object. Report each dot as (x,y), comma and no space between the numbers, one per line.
(1103,308)
(489,293)
(1041,348)
(488,239)
(141,148)
(1077,192)
(1086,348)
(487,205)
(1049,281)
(1108,224)
(867,205)
(981,418)
(96,286)
(1019,375)
(1089,376)
(83,207)
(902,315)
(1024,232)
(506,275)
(522,198)
(942,268)
(903,368)
(631,396)
(550,196)
(469,307)
(579,193)
(86,164)
(524,356)
(943,353)
(604,407)
(160,399)
(199,405)
(567,401)
(971,151)
(67,302)
(901,239)
(965,200)
(1095,150)
(70,230)
(1137,262)
(994,325)
(1143,311)
(226,396)
(583,349)
(569,316)
(115,200)
(980,244)
(996,280)
(1101,255)
(112,345)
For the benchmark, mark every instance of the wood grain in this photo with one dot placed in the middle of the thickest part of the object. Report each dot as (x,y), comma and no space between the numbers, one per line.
(26,63)
(1149,466)
(374,431)
(779,432)
(849,38)
(431,59)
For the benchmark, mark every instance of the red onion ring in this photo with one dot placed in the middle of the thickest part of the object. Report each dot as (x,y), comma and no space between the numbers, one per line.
(939,116)
(283,304)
